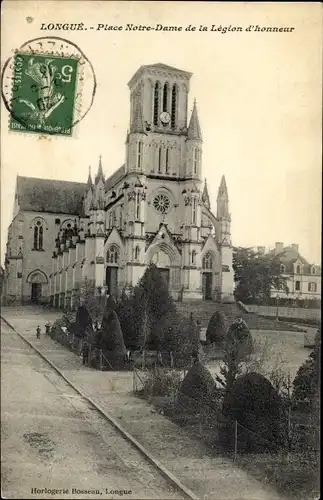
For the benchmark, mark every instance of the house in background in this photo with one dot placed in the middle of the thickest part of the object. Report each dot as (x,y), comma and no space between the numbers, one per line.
(303,279)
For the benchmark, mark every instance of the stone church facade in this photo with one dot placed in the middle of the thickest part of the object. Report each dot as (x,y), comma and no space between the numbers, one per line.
(154,208)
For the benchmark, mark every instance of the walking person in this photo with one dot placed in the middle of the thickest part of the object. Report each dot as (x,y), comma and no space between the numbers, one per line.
(38,332)
(47,328)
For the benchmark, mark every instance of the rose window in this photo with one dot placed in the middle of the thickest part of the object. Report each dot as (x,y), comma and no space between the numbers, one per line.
(161,203)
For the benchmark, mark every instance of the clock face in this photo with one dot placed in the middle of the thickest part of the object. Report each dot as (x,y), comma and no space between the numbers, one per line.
(165,117)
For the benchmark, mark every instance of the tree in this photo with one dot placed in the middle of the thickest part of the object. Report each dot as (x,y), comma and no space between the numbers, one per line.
(307,381)
(237,346)
(217,328)
(256,406)
(150,302)
(256,275)
(126,315)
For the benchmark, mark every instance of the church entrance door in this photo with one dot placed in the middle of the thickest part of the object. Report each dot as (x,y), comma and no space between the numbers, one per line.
(207,286)
(165,275)
(35,292)
(111,278)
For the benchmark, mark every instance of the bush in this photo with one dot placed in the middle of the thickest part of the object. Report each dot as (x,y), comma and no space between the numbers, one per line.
(197,389)
(307,381)
(110,335)
(83,322)
(239,332)
(217,328)
(256,406)
(162,382)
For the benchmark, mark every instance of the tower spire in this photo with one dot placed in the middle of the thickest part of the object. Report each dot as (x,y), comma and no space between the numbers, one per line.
(223,201)
(99,174)
(205,195)
(89,179)
(194,129)
(138,124)
(223,190)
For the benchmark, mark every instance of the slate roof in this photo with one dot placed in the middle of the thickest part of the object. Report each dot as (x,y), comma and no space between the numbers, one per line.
(115,178)
(48,195)
(289,256)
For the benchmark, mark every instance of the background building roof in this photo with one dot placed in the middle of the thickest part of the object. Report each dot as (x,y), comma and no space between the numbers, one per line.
(47,195)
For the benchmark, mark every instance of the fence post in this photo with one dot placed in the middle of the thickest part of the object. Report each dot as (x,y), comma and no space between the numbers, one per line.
(89,355)
(100,359)
(235,440)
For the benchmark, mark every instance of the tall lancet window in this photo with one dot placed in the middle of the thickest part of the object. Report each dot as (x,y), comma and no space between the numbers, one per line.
(38,236)
(194,211)
(195,160)
(159,159)
(165,97)
(139,156)
(167,161)
(137,206)
(173,111)
(156,103)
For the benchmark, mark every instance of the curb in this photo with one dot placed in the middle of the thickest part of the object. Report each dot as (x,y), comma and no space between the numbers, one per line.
(146,454)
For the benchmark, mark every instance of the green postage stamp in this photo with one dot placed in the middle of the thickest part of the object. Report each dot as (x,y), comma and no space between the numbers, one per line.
(48,86)
(43,93)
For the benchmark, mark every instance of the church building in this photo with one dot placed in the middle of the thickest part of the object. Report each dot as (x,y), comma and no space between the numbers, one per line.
(154,208)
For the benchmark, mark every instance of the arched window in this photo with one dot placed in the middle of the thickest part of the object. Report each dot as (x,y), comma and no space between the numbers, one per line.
(208,261)
(282,268)
(193,257)
(173,111)
(194,211)
(38,236)
(138,206)
(167,161)
(165,97)
(298,269)
(137,253)
(113,255)
(139,155)
(159,159)
(156,103)
(195,160)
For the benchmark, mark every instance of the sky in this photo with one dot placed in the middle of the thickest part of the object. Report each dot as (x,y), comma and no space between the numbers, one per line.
(259,98)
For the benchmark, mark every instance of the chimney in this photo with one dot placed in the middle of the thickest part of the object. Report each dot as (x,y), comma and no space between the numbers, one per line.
(295,247)
(279,247)
(261,250)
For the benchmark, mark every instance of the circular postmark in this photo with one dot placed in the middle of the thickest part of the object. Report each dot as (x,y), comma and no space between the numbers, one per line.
(48,86)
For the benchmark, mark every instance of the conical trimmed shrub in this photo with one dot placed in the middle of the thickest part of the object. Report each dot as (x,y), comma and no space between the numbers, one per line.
(83,323)
(197,389)
(256,405)
(217,328)
(111,334)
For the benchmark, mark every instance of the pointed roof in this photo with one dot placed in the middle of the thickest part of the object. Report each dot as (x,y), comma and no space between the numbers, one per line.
(138,125)
(89,180)
(223,190)
(99,174)
(205,195)
(194,129)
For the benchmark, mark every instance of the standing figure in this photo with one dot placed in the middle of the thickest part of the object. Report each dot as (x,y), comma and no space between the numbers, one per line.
(38,332)
(85,353)
(47,328)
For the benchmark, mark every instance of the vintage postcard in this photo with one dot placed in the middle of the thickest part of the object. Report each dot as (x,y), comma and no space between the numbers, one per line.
(160,249)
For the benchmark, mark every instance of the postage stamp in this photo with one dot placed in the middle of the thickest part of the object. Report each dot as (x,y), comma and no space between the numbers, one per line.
(43,93)
(48,86)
